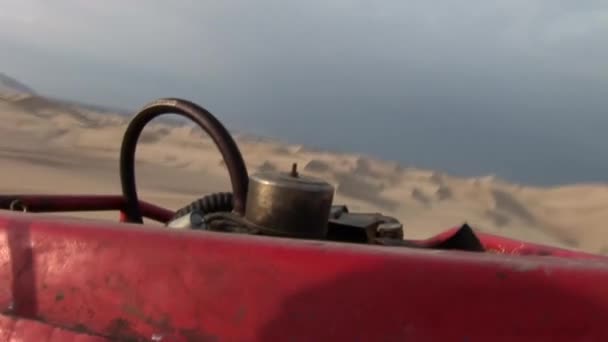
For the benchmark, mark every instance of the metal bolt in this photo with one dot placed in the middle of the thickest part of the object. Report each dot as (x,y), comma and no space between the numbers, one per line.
(18,205)
(392,230)
(294,170)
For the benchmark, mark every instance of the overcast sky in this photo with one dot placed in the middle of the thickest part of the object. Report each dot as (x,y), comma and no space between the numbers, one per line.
(541,63)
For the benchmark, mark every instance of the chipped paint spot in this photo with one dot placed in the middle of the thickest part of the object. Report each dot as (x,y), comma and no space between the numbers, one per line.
(133,310)
(157,337)
(241,314)
(501,275)
(121,328)
(59,296)
(525,267)
(80,328)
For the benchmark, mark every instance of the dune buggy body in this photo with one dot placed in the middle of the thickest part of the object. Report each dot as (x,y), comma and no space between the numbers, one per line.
(82,280)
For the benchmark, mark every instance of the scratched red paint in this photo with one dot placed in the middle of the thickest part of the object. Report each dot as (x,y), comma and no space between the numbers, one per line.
(18,330)
(120,280)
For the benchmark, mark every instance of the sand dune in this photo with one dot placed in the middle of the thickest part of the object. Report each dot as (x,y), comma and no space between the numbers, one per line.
(64,148)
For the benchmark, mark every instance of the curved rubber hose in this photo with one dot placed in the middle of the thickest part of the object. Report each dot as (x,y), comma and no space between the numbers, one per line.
(212,203)
(218,133)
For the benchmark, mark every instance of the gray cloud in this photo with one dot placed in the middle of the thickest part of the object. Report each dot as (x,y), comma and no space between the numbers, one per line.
(231,38)
(400,71)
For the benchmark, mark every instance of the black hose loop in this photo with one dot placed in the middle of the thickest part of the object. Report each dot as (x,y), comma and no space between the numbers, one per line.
(211,125)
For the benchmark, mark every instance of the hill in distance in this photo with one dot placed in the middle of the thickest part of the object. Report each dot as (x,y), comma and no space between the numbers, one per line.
(66,147)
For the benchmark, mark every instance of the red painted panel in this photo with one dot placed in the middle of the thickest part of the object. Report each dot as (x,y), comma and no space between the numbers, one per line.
(124,281)
(24,330)
(502,245)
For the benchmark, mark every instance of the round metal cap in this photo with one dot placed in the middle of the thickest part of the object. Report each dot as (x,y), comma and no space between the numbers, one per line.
(289,203)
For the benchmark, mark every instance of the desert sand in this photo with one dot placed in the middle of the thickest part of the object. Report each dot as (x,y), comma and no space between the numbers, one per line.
(54,147)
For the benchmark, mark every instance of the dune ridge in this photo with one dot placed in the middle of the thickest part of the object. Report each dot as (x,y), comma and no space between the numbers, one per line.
(61,147)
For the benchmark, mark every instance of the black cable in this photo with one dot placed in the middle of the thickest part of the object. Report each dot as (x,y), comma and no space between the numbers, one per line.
(212,203)
(229,222)
(218,133)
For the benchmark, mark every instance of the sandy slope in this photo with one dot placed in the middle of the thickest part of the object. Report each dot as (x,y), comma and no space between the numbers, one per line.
(46,147)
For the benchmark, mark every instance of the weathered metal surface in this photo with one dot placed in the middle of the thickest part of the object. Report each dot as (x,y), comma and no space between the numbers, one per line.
(23,330)
(289,203)
(145,283)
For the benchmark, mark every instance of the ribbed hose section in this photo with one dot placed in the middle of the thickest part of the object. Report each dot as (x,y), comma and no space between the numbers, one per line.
(212,203)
